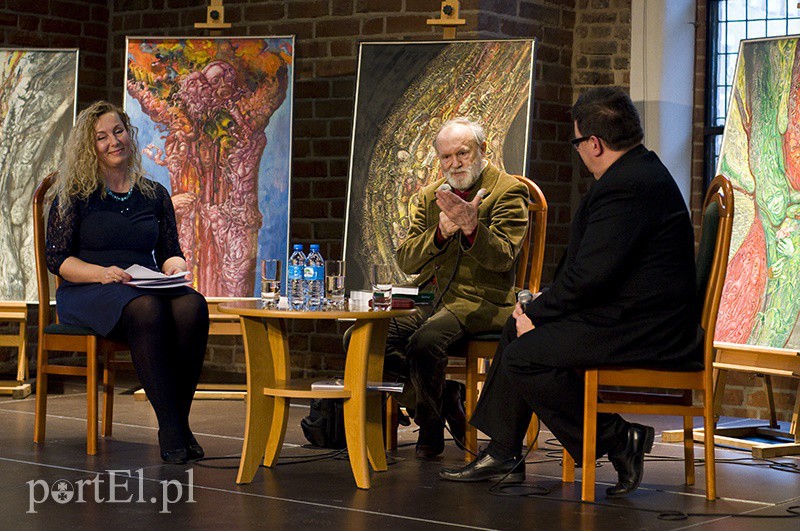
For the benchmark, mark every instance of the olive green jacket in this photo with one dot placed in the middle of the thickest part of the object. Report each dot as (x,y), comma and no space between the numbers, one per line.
(476,283)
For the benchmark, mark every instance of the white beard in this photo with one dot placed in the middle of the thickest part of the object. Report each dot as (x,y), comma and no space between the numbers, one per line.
(464,178)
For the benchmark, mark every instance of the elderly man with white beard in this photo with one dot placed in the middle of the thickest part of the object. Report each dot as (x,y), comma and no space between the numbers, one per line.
(466,233)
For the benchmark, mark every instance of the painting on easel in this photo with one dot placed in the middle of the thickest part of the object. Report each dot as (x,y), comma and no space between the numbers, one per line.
(37,110)
(760,154)
(214,118)
(404,93)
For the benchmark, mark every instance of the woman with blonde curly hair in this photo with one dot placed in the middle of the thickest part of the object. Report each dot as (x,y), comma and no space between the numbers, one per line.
(106,216)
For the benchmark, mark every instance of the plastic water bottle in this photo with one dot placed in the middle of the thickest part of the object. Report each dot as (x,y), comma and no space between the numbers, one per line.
(295,285)
(314,275)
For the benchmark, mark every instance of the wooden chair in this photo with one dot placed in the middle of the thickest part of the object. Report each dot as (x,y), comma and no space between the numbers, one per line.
(480,349)
(712,261)
(54,336)
(16,312)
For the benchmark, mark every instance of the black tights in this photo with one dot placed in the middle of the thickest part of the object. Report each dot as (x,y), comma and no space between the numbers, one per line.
(167,337)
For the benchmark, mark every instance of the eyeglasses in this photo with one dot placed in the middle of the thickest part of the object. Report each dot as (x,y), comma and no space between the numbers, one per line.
(578,141)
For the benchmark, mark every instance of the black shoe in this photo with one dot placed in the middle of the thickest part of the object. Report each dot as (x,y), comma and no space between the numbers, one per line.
(194,451)
(402,418)
(487,468)
(629,463)
(430,442)
(176,456)
(429,451)
(453,410)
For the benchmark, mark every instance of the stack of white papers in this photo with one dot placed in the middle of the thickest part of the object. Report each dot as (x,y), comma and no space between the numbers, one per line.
(391,387)
(149,279)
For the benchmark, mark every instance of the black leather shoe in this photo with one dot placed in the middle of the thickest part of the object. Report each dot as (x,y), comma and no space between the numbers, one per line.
(175,457)
(194,451)
(429,451)
(487,468)
(430,442)
(629,464)
(453,410)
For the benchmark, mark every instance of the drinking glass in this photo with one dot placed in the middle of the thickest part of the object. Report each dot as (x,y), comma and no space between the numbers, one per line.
(334,283)
(381,287)
(270,282)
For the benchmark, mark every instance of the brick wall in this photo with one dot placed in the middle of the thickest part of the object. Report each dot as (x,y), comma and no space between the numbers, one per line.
(62,24)
(602,57)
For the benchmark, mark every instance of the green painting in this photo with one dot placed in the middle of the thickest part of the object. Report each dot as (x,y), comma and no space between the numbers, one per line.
(760,154)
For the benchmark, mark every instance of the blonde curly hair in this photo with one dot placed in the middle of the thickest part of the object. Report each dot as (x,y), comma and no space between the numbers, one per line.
(79,175)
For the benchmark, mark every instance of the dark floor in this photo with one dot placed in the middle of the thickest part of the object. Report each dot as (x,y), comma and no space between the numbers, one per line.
(321,493)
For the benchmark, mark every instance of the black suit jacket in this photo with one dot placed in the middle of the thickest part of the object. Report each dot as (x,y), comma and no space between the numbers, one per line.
(629,271)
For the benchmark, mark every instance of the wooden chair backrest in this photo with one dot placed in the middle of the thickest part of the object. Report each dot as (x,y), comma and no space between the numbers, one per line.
(42,275)
(531,257)
(720,193)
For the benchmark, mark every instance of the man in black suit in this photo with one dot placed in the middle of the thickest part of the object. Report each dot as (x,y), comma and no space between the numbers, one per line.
(624,294)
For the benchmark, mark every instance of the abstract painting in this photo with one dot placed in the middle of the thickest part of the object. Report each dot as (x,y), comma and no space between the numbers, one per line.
(37,110)
(214,117)
(760,154)
(404,93)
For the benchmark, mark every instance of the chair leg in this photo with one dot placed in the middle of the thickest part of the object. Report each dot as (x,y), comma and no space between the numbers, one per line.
(91,395)
(589,434)
(471,400)
(688,449)
(567,467)
(773,416)
(533,433)
(390,424)
(22,356)
(108,396)
(41,394)
(711,465)
(719,390)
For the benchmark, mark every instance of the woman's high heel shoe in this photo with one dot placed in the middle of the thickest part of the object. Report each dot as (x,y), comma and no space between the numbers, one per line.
(194,451)
(177,456)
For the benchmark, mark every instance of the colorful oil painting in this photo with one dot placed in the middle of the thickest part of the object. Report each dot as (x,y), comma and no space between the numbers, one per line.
(760,154)
(37,110)
(405,92)
(214,118)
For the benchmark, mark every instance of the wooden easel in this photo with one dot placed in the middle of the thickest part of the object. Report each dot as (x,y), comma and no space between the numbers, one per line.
(765,362)
(448,19)
(16,312)
(215,19)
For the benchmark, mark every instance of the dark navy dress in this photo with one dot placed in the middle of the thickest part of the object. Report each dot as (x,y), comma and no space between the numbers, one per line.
(106,231)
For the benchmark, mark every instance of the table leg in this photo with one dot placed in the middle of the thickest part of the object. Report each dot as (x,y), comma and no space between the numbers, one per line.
(374,414)
(260,409)
(278,371)
(362,417)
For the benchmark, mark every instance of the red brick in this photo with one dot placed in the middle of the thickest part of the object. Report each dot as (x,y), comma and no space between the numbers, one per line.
(342,7)
(264,12)
(309,9)
(336,28)
(335,67)
(373,26)
(380,6)
(27,6)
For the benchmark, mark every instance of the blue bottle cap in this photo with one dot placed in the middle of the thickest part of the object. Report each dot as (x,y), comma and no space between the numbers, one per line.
(314,247)
(298,247)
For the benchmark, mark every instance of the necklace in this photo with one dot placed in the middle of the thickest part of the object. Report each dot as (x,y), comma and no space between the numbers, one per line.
(120,197)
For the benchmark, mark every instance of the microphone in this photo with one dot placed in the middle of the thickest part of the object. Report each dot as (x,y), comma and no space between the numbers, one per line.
(445,188)
(482,193)
(524,297)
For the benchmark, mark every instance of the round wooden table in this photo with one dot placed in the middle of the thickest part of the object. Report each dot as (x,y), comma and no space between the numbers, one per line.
(270,387)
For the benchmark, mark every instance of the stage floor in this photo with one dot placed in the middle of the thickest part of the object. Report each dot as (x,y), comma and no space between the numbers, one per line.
(309,491)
